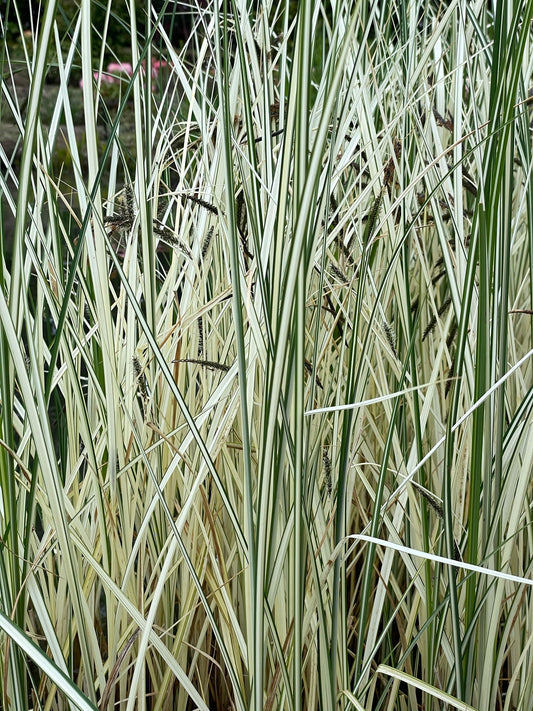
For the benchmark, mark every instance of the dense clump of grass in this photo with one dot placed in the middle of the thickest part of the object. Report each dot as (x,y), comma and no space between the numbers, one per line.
(265,362)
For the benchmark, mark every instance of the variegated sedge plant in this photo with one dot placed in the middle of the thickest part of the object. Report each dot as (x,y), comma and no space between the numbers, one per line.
(265,349)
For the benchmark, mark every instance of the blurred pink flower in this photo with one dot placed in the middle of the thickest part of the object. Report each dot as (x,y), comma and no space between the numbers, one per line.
(157,66)
(103,78)
(120,68)
(117,68)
